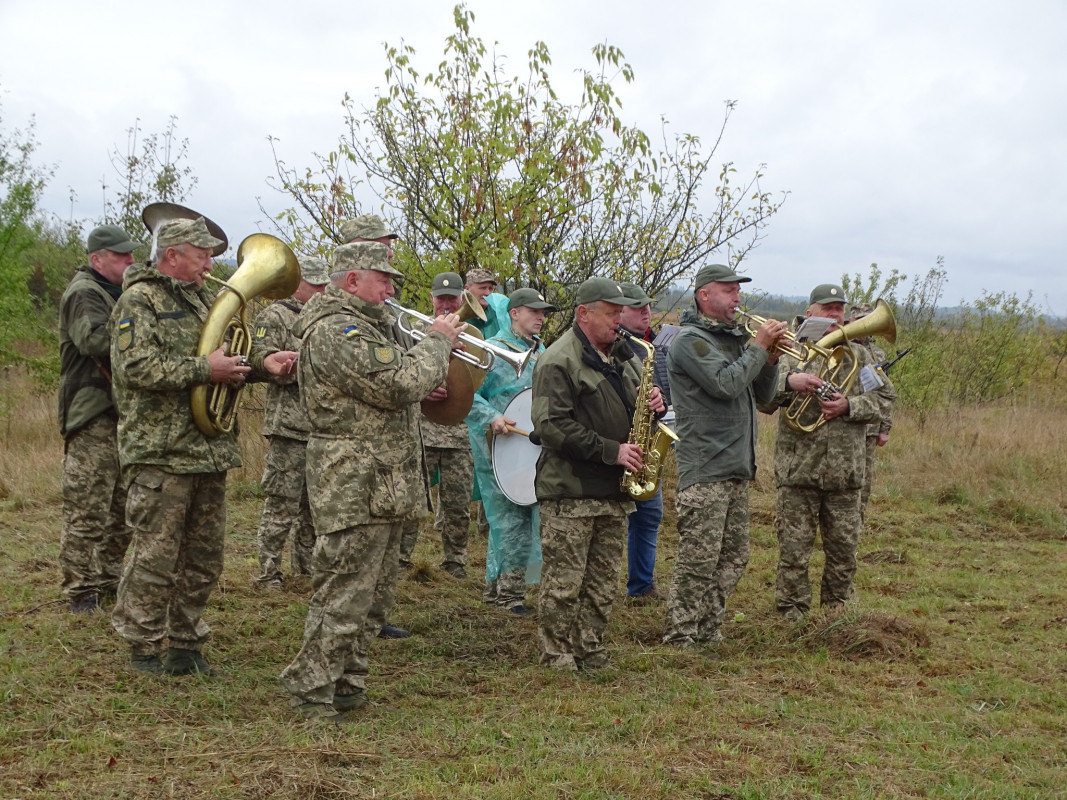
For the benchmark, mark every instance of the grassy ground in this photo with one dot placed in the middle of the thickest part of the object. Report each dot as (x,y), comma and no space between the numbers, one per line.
(945,680)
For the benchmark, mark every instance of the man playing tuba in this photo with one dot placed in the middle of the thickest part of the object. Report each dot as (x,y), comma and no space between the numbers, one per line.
(176,475)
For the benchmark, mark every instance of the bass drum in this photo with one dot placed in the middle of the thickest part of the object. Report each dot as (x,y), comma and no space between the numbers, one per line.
(514,455)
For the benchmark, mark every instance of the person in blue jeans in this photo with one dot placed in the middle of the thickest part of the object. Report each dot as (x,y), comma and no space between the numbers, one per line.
(645,521)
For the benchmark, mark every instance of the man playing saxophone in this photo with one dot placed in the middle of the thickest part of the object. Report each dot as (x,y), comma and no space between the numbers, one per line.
(584,402)
(176,504)
(717,376)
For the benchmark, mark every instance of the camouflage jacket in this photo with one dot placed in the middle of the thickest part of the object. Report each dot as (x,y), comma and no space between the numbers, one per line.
(717,379)
(362,390)
(581,419)
(885,423)
(155,331)
(85,350)
(285,414)
(833,456)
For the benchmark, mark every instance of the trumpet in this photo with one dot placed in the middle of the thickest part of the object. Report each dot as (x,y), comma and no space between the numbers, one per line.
(493,352)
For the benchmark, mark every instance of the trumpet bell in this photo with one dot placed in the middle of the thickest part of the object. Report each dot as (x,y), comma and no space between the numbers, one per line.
(471,308)
(880,322)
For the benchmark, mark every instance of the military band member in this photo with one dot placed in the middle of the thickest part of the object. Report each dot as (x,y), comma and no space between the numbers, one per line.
(362,392)
(877,432)
(584,399)
(95,535)
(286,510)
(513,554)
(177,475)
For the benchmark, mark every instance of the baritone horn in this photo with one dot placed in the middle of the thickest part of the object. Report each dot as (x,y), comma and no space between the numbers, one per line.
(266,267)
(839,366)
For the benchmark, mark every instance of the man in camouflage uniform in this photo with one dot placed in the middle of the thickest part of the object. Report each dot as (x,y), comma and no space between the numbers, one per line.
(448,453)
(717,376)
(95,535)
(286,511)
(176,475)
(584,397)
(361,390)
(820,474)
(877,432)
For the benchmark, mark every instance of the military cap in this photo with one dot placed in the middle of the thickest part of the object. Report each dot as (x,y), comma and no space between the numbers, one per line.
(635,292)
(363,255)
(447,283)
(593,290)
(480,276)
(860,310)
(718,273)
(530,298)
(110,237)
(827,293)
(365,226)
(314,271)
(186,231)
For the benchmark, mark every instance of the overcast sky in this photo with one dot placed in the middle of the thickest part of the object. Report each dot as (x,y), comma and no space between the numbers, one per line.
(903,131)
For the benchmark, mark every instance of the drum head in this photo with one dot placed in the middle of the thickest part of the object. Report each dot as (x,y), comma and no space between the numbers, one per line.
(514,457)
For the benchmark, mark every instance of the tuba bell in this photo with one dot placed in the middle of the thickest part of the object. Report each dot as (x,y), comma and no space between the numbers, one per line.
(834,361)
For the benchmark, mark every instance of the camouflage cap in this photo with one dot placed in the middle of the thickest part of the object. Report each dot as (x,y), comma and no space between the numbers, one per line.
(110,237)
(480,276)
(635,292)
(447,283)
(827,293)
(529,298)
(718,273)
(860,310)
(365,226)
(363,255)
(593,290)
(186,231)
(314,270)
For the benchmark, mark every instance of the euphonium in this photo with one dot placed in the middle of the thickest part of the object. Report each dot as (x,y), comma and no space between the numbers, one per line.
(839,366)
(653,437)
(266,267)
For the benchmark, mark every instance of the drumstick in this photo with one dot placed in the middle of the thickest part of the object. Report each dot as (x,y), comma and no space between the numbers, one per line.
(520,431)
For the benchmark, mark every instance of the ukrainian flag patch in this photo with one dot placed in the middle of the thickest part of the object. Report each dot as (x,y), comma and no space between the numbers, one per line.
(125,336)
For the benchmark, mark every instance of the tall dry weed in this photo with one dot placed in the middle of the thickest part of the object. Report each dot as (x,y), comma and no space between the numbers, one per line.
(31,449)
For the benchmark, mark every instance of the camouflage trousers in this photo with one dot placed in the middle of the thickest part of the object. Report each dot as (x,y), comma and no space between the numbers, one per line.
(286,511)
(354,572)
(799,513)
(179,529)
(582,543)
(868,477)
(713,550)
(456,466)
(95,536)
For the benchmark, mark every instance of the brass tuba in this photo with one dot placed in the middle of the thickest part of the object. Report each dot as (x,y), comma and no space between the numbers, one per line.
(653,437)
(834,361)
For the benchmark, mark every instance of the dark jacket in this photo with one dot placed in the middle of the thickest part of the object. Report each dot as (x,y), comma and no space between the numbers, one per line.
(581,418)
(85,350)
(717,379)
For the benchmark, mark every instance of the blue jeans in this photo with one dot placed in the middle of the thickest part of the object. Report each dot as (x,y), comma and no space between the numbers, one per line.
(641,544)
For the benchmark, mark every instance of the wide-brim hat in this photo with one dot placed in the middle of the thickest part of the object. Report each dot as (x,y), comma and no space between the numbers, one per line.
(156,214)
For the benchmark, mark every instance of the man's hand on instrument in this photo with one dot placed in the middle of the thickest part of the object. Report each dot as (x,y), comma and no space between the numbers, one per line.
(438,394)
(629,457)
(227,369)
(655,402)
(450,325)
(281,362)
(499,425)
(836,406)
(769,333)
(803,382)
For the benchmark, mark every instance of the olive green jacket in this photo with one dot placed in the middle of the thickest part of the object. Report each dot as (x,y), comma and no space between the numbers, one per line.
(85,350)
(361,389)
(155,331)
(581,419)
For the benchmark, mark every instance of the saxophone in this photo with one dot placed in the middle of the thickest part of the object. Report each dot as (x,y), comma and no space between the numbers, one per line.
(653,437)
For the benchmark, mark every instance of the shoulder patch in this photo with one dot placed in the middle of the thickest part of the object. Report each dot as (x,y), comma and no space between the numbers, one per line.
(383,353)
(261,331)
(125,334)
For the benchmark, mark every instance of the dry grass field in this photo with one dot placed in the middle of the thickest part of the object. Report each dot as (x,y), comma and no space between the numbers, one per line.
(945,680)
